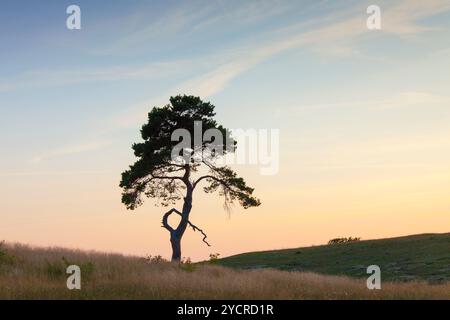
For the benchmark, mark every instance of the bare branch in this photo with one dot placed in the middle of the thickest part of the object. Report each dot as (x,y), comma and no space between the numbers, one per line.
(200,179)
(223,183)
(195,228)
(166,177)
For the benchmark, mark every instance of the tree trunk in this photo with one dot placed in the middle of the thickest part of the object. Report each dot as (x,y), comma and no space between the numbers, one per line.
(176,247)
(177,234)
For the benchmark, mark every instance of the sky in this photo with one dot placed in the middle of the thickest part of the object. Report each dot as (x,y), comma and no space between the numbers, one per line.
(363,116)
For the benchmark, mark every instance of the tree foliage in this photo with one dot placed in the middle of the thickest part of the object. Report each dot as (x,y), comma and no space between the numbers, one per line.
(156,175)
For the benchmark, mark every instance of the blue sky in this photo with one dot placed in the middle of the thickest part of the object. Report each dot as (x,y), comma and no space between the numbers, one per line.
(72,101)
(282,52)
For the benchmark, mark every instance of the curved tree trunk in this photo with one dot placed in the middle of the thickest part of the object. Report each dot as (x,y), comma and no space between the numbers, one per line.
(177,234)
(176,247)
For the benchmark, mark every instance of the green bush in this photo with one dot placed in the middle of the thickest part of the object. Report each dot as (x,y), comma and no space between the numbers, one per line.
(343,240)
(155,259)
(187,265)
(58,269)
(5,258)
(214,258)
(54,269)
(87,268)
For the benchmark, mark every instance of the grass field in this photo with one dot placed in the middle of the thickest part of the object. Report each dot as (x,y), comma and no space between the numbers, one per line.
(419,257)
(38,273)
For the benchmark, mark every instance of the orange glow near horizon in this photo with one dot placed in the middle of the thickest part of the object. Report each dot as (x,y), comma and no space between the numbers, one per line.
(385,203)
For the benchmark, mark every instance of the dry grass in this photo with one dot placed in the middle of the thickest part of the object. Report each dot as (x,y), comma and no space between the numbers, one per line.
(33,274)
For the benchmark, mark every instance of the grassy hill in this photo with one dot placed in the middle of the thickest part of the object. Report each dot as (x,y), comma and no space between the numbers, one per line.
(40,273)
(424,257)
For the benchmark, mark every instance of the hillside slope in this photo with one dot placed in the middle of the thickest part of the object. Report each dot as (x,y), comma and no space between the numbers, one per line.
(424,257)
(40,273)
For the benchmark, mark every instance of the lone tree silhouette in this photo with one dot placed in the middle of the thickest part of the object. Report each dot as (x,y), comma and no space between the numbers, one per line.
(170,169)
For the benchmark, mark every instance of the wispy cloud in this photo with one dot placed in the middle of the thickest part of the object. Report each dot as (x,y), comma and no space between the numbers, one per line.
(415,98)
(50,78)
(71,149)
(51,173)
(401,18)
(204,85)
(337,37)
(189,19)
(168,24)
(403,99)
(404,18)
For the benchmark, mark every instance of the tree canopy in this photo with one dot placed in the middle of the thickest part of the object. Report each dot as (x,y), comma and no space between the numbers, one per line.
(154,174)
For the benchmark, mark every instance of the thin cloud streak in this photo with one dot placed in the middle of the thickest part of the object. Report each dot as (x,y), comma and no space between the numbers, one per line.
(337,38)
(72,149)
(52,173)
(50,78)
(342,34)
(192,18)
(400,100)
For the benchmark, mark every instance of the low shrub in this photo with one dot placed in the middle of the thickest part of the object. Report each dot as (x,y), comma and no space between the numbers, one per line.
(214,258)
(6,259)
(343,240)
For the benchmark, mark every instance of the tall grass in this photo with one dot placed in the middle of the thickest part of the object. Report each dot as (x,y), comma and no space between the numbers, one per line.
(36,273)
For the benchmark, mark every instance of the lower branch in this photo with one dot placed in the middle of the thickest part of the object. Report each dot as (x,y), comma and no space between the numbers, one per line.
(193,226)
